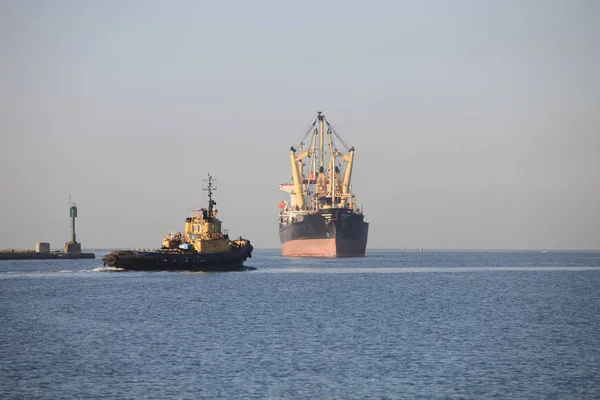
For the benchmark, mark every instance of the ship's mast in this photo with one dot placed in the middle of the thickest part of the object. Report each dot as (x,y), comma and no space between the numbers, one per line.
(327,186)
(348,176)
(313,163)
(321,117)
(210,187)
(331,168)
(297,176)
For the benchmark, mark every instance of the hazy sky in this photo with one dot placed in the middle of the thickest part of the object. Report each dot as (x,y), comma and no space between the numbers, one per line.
(476,123)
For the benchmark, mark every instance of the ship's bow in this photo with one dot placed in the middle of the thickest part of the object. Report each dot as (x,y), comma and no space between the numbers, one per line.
(325,234)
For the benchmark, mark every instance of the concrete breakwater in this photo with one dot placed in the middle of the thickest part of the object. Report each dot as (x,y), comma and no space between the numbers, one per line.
(72,249)
(33,255)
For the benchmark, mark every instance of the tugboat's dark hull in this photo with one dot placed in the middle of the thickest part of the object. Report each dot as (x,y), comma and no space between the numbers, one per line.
(175,260)
(327,233)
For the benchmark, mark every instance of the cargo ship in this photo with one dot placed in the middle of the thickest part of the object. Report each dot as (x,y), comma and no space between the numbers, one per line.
(321,218)
(202,246)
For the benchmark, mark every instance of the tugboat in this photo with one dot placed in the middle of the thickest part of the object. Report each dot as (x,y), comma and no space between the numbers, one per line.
(322,218)
(203,246)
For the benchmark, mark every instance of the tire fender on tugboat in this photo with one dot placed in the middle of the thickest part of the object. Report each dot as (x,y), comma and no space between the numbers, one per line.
(110,260)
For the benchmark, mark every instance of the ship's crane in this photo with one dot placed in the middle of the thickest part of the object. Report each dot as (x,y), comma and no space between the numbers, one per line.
(317,182)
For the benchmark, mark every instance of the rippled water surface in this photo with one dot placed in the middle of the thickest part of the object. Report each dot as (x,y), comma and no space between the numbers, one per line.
(390,325)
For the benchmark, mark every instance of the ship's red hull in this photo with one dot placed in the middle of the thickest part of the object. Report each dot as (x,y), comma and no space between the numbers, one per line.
(330,247)
(331,233)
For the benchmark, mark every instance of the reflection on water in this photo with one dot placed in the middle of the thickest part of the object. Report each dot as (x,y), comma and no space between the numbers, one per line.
(390,325)
(382,262)
(392,270)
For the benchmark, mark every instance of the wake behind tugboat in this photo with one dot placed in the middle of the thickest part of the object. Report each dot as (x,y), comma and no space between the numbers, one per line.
(202,246)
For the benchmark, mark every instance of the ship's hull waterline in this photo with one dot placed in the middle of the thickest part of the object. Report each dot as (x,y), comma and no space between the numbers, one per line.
(336,233)
(323,248)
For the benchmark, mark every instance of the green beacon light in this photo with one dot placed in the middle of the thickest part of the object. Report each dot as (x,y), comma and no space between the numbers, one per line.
(73,215)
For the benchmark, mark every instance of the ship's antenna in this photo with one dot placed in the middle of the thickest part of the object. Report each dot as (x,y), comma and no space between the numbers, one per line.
(210,184)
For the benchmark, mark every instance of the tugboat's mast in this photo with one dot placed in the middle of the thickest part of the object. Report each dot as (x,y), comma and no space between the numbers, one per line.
(209,187)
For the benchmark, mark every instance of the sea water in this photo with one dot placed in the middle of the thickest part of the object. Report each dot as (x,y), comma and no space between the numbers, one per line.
(391,325)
